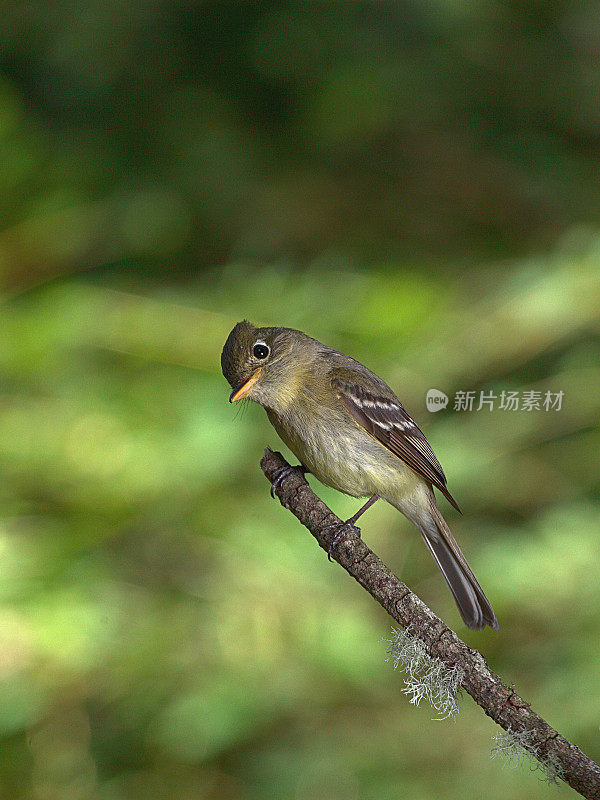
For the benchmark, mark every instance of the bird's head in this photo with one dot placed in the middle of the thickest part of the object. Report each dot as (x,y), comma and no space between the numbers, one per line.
(265,364)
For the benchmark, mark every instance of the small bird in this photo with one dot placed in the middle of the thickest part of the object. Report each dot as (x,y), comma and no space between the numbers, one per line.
(348,428)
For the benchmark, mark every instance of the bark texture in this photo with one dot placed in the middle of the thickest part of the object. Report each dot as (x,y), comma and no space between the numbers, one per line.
(499,701)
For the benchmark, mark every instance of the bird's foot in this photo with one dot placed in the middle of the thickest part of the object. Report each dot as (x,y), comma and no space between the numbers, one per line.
(341,529)
(281,473)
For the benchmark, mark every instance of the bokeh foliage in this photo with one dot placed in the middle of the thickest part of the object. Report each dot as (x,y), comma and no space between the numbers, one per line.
(415,184)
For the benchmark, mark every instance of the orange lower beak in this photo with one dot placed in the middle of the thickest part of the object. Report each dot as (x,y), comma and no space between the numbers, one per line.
(242,391)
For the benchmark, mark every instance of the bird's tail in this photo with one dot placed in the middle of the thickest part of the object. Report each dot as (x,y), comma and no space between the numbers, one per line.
(474,607)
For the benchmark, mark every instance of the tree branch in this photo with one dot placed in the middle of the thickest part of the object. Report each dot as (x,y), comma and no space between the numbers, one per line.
(500,702)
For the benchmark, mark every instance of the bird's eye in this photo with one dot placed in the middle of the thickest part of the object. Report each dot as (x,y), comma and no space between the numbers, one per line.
(261,350)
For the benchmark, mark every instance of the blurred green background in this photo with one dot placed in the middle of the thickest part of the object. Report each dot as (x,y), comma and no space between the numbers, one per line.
(415,183)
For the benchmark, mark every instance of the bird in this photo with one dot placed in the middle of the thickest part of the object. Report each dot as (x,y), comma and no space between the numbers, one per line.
(349,429)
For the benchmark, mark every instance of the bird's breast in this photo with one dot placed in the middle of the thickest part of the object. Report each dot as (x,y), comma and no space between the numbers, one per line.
(341,454)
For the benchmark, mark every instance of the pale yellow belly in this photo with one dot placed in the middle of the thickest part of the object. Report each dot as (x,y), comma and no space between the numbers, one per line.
(346,457)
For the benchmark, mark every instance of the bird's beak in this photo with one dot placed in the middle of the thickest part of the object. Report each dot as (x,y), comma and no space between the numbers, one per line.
(242,389)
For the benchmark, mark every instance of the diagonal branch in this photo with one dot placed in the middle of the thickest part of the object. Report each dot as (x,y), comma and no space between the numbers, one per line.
(499,701)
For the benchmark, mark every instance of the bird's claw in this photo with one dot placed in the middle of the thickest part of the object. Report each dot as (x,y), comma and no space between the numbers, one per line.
(342,529)
(281,473)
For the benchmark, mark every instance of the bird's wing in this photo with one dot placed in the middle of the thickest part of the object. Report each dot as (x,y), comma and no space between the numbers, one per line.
(386,419)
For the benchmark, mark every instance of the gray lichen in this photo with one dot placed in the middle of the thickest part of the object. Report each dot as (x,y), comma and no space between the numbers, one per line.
(516,747)
(425,677)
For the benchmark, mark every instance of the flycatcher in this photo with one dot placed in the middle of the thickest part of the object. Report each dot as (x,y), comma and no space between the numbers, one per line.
(348,428)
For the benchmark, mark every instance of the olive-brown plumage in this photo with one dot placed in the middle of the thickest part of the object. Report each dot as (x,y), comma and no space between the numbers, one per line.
(349,429)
